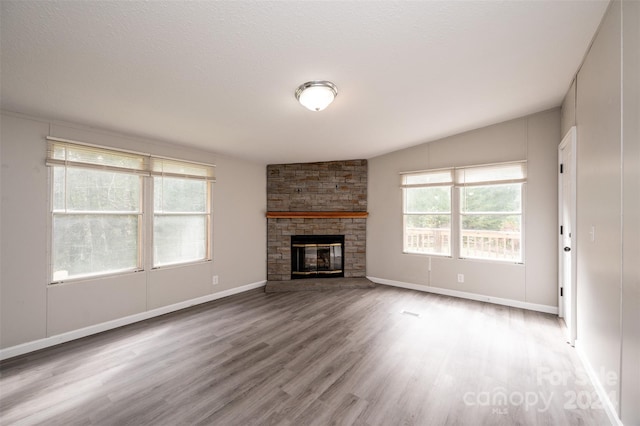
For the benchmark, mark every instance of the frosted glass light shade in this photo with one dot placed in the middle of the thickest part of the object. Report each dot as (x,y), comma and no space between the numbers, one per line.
(316,95)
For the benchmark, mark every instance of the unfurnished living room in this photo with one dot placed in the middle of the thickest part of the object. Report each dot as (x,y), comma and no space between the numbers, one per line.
(320,212)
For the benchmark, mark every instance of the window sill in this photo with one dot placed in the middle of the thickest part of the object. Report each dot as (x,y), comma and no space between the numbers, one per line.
(90,277)
(443,256)
(181,264)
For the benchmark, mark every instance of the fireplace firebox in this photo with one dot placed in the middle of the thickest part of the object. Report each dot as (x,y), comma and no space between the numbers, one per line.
(317,256)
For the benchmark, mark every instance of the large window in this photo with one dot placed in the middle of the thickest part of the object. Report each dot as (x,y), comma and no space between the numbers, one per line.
(487,219)
(98,204)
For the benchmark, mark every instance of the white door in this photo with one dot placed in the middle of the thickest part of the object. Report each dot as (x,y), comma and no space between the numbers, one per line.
(567,215)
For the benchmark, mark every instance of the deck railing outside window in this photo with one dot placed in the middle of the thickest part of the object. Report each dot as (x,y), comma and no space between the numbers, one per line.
(502,245)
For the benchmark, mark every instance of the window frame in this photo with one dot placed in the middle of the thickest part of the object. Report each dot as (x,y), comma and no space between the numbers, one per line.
(149,166)
(463,177)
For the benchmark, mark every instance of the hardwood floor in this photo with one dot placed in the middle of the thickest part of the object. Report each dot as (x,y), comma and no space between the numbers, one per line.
(342,357)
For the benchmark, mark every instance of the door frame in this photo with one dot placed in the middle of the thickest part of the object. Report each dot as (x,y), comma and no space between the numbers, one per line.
(569,139)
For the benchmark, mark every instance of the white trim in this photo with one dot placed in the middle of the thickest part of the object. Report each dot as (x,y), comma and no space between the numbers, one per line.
(471,296)
(119,322)
(607,404)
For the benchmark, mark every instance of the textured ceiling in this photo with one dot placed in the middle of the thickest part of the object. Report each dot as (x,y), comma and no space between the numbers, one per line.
(222,75)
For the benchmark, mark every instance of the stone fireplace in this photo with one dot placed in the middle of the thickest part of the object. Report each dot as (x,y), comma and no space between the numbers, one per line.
(322,200)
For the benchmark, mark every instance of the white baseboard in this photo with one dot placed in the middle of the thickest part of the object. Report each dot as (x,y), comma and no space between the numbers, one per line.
(607,404)
(98,328)
(472,296)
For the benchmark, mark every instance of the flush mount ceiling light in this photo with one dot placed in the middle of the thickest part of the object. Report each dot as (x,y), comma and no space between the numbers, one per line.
(316,95)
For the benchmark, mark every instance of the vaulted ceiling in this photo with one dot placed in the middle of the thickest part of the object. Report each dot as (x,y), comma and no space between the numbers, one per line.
(221,75)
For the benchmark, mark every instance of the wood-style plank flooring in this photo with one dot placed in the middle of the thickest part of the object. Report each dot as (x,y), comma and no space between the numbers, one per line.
(340,357)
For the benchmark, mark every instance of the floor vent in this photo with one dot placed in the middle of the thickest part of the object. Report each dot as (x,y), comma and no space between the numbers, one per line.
(413,314)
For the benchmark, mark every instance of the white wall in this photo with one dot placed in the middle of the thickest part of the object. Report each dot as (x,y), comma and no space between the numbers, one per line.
(598,196)
(533,138)
(568,112)
(31,309)
(630,368)
(604,104)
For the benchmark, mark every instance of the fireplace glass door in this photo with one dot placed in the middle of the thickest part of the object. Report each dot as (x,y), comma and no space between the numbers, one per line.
(318,256)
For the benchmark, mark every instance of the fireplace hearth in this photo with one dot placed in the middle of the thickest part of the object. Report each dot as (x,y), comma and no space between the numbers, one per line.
(317,256)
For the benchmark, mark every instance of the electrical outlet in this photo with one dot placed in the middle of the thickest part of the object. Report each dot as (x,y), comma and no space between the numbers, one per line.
(215,280)
(460,278)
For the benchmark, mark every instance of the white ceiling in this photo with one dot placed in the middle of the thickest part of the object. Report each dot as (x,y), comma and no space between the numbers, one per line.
(222,75)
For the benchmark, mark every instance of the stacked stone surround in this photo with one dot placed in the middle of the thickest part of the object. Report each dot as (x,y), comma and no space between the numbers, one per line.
(336,186)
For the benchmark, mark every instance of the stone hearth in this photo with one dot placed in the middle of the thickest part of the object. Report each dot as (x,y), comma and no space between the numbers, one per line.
(318,284)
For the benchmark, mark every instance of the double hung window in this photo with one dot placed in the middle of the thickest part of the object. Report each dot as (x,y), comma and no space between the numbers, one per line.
(491,211)
(181,212)
(98,207)
(427,212)
(483,219)
(96,210)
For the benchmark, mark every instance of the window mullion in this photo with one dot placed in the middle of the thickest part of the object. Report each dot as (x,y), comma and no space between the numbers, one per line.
(147,220)
(209,242)
(456,223)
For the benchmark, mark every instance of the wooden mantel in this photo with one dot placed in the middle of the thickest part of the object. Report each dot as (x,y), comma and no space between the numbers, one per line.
(317,215)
